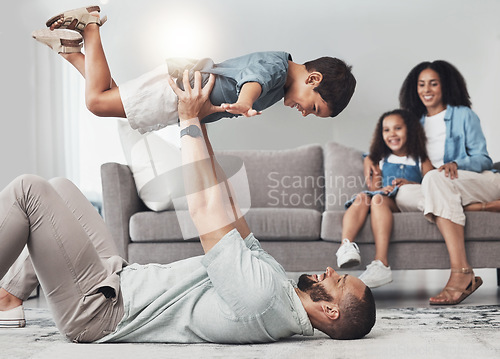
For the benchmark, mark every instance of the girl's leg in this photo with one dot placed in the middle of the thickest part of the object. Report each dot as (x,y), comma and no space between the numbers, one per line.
(355,216)
(382,221)
(68,266)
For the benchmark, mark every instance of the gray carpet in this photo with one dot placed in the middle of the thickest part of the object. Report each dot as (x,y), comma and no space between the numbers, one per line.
(450,332)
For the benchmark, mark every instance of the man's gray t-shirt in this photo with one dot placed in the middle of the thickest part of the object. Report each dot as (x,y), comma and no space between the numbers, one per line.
(236,293)
(269,69)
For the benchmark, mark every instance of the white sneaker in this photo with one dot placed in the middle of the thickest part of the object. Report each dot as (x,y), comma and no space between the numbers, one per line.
(12,318)
(348,254)
(376,274)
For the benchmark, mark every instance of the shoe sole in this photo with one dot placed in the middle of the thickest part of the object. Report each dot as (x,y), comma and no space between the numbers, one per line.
(14,323)
(377,284)
(53,19)
(350,263)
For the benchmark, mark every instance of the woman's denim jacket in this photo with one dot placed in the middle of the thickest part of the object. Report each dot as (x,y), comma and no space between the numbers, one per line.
(465,143)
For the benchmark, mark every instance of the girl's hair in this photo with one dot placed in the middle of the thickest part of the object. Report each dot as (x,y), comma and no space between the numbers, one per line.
(453,87)
(415,137)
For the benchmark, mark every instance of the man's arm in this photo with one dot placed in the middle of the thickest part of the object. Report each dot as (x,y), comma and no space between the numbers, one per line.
(240,224)
(208,199)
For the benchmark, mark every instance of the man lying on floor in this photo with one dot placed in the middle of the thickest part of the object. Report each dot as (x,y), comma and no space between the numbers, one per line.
(235,293)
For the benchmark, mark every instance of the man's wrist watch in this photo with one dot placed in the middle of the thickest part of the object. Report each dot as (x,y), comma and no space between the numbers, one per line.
(192,130)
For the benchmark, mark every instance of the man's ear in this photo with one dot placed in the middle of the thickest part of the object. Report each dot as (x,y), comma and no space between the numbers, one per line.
(314,78)
(331,310)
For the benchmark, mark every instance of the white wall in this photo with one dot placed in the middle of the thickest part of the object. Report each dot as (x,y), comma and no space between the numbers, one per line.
(382,39)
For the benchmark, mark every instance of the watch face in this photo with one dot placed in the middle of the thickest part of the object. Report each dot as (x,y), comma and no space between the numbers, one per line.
(192,130)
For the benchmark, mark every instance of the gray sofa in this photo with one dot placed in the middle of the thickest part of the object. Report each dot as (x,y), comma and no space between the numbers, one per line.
(298,198)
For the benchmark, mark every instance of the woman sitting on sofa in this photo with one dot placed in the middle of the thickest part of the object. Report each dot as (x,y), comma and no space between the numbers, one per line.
(436,92)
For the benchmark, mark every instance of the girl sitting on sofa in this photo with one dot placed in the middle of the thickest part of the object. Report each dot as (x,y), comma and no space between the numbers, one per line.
(398,146)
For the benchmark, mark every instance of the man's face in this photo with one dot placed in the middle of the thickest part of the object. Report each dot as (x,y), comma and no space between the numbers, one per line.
(330,286)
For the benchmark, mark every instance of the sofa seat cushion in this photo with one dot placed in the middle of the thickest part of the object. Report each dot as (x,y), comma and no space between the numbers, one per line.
(411,227)
(151,226)
(287,224)
(266,224)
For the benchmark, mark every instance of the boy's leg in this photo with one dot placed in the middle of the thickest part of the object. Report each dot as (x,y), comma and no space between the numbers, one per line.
(101,99)
(68,266)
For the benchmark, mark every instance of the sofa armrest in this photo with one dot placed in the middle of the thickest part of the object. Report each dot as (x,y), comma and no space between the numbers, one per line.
(120,202)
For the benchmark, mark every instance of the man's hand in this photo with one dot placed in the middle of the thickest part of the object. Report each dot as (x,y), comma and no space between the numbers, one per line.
(240,109)
(194,102)
(450,170)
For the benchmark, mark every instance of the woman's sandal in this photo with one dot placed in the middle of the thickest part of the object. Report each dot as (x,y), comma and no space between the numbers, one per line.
(59,40)
(471,288)
(77,19)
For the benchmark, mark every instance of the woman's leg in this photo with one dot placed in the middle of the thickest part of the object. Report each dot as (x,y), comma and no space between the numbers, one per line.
(68,266)
(444,201)
(493,206)
(454,237)
(381,222)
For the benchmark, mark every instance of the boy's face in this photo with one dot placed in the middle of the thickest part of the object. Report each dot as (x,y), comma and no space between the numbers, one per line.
(301,95)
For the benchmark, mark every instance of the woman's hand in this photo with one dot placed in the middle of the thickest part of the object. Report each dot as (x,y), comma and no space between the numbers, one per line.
(450,170)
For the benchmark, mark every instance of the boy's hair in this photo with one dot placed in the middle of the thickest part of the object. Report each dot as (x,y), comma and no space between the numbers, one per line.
(453,87)
(415,137)
(338,83)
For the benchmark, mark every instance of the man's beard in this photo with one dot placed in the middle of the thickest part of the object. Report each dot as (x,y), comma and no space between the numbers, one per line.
(315,290)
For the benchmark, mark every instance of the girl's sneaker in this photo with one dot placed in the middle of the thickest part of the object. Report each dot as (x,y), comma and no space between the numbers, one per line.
(376,274)
(348,254)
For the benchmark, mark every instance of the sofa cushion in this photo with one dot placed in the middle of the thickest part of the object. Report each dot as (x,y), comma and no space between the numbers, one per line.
(411,227)
(158,226)
(343,175)
(275,224)
(266,223)
(284,178)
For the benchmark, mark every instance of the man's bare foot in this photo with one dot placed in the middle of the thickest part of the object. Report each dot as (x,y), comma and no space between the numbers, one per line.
(8,301)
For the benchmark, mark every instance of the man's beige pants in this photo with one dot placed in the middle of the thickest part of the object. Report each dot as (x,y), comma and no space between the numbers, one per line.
(70,252)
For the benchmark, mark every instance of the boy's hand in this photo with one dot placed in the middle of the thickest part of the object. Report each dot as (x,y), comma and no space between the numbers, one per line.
(240,109)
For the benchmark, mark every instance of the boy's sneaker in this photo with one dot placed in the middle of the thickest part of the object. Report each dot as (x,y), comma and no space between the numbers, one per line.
(376,274)
(12,318)
(348,254)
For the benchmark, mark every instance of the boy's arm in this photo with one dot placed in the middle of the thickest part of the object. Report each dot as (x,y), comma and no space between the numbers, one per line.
(249,93)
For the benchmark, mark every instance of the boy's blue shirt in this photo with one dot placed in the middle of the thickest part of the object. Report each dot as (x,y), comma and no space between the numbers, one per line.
(269,69)
(465,143)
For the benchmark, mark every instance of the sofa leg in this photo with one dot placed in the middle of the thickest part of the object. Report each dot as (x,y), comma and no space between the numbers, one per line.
(498,277)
